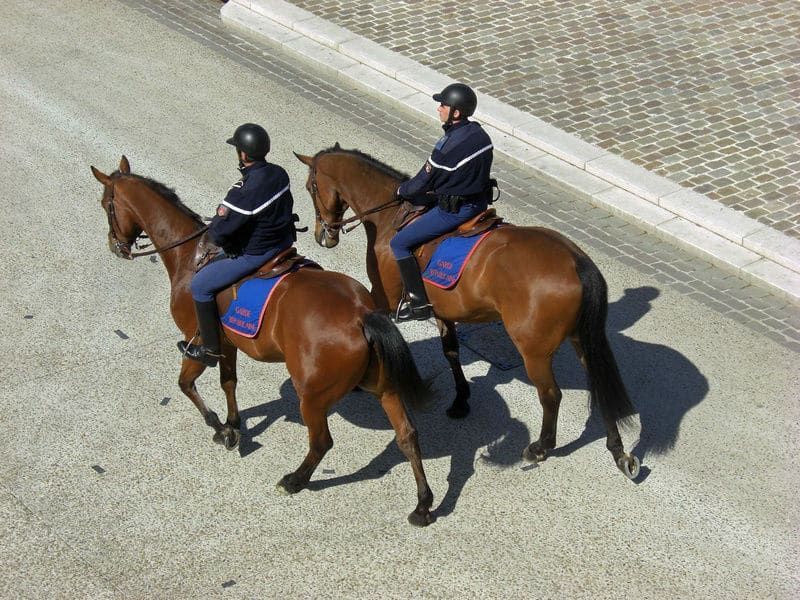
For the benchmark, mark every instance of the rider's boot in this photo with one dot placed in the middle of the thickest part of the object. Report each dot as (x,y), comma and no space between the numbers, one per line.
(208,319)
(415,305)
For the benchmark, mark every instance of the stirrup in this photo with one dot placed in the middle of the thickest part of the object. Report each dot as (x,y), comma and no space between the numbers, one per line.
(199,353)
(406,311)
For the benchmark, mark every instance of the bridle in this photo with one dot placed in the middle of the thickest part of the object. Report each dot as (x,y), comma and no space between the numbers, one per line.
(331,228)
(124,248)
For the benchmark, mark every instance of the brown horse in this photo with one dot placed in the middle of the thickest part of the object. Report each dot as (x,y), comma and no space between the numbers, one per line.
(323,325)
(540,284)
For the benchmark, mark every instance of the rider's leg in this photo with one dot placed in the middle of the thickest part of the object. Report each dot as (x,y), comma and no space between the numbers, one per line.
(208,321)
(216,275)
(431,224)
(415,304)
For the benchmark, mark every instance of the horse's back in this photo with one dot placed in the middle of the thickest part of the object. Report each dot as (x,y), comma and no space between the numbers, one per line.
(516,271)
(333,294)
(309,309)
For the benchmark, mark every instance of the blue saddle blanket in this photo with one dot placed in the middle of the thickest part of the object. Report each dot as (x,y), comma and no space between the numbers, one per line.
(246,312)
(449,259)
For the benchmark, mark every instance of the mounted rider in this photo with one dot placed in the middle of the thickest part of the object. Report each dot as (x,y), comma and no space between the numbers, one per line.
(454,182)
(253,224)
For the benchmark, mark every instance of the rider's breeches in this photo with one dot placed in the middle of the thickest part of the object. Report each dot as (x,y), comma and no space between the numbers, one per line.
(222,272)
(431,224)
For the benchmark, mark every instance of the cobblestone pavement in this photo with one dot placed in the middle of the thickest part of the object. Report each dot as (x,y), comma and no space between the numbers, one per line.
(706,94)
(595,229)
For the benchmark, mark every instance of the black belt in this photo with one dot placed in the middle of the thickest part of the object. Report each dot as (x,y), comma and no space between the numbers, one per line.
(453,202)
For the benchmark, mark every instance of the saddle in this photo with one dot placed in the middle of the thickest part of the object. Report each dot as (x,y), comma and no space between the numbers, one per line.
(475,226)
(277,265)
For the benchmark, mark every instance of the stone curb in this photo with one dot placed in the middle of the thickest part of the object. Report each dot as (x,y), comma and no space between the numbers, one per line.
(725,237)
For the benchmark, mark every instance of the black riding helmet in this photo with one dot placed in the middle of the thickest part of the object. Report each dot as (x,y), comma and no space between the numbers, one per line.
(460,96)
(251,139)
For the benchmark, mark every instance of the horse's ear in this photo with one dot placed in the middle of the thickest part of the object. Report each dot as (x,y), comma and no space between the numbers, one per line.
(100,176)
(124,165)
(308,160)
(336,146)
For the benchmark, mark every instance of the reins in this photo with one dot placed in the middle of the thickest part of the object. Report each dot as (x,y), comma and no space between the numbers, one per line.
(113,226)
(330,228)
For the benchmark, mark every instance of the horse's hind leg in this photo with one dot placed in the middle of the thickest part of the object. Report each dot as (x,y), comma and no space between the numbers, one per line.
(315,416)
(460,406)
(190,371)
(626,463)
(408,441)
(576,345)
(540,372)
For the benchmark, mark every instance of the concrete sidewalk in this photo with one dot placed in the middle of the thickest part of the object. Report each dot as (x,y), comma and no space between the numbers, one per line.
(752,249)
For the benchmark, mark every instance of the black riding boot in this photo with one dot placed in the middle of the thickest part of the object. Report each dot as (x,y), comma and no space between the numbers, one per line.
(415,305)
(208,319)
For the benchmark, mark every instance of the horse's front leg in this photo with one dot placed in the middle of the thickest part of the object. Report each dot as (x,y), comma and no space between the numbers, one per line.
(315,416)
(227,378)
(447,332)
(190,371)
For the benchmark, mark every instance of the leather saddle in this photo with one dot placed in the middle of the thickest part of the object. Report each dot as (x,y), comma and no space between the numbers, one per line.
(284,261)
(475,226)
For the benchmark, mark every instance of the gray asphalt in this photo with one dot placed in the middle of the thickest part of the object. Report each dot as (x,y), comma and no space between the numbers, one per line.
(110,485)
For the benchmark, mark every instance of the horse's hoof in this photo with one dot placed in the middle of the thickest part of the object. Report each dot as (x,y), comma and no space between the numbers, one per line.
(418,520)
(287,485)
(629,465)
(458,410)
(218,439)
(534,454)
(232,439)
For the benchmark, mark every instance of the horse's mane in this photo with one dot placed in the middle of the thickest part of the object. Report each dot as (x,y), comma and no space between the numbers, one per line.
(168,193)
(372,161)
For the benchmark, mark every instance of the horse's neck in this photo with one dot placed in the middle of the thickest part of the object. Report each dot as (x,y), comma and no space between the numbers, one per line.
(164,223)
(373,192)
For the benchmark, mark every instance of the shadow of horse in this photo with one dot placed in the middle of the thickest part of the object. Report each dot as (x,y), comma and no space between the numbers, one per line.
(664,385)
(489,434)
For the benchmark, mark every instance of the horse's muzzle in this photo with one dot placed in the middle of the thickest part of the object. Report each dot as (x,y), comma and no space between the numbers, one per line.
(120,250)
(326,237)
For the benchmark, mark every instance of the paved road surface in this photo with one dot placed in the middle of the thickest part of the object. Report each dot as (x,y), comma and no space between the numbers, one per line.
(702,93)
(111,487)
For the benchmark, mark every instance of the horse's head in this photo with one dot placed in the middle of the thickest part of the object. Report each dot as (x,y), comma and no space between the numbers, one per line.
(328,203)
(123,228)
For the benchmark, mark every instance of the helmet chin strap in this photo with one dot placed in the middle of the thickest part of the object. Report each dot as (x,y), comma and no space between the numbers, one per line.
(449,123)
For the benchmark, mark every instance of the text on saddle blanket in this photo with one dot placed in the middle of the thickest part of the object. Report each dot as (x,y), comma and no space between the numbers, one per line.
(450,258)
(251,298)
(442,260)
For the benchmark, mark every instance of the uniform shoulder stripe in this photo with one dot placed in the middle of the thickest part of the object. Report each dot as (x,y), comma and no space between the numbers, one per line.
(463,161)
(255,211)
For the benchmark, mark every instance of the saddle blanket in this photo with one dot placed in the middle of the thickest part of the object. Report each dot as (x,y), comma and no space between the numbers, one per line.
(246,312)
(449,259)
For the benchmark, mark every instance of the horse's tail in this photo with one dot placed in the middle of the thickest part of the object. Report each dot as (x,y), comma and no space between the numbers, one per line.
(606,389)
(396,360)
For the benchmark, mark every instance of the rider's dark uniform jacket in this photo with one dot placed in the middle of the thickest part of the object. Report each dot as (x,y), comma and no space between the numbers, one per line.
(459,165)
(256,213)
